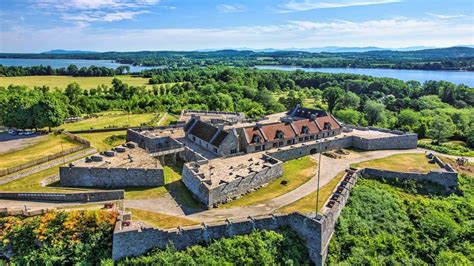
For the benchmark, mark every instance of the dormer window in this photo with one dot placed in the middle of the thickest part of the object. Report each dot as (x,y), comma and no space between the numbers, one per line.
(256,139)
(280,134)
(327,125)
(304,130)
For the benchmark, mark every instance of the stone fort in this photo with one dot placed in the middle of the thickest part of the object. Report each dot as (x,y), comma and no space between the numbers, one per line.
(225,154)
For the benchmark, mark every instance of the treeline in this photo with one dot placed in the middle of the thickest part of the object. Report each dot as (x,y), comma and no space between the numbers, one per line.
(438,109)
(454,58)
(71,70)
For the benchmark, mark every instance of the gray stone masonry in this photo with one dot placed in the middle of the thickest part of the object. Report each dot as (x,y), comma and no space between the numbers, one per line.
(134,241)
(65,197)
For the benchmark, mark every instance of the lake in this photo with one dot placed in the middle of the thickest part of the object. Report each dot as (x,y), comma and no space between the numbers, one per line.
(457,77)
(58,63)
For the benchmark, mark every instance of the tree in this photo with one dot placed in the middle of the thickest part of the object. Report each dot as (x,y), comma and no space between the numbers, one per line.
(408,120)
(441,128)
(332,96)
(375,112)
(73,92)
(349,100)
(350,116)
(49,112)
(470,137)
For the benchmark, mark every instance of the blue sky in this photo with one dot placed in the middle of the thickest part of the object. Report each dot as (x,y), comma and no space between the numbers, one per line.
(133,25)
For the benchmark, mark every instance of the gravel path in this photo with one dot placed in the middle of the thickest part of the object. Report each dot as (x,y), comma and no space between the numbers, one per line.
(47,165)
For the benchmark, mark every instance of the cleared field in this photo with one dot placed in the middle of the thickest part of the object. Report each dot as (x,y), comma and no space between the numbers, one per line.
(110,120)
(161,220)
(295,173)
(408,162)
(51,144)
(307,204)
(61,82)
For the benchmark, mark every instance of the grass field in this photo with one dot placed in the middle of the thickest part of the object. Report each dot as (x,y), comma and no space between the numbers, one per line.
(408,162)
(107,120)
(61,82)
(307,204)
(295,173)
(98,140)
(50,145)
(161,220)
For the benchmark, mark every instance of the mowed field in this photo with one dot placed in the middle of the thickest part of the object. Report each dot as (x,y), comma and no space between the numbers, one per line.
(49,145)
(111,119)
(61,82)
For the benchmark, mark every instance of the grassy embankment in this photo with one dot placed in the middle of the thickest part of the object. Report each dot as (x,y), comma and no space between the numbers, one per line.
(111,120)
(307,204)
(407,162)
(161,220)
(295,173)
(457,148)
(48,145)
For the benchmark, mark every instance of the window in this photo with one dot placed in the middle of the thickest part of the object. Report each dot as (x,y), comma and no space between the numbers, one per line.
(327,125)
(304,130)
(233,151)
(275,144)
(306,138)
(280,134)
(215,150)
(194,138)
(288,142)
(311,137)
(300,139)
(281,143)
(258,148)
(256,138)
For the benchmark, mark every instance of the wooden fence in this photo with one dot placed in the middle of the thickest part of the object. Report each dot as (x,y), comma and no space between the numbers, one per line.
(84,144)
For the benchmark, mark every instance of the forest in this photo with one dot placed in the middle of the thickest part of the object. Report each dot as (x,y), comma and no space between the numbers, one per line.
(453,58)
(436,109)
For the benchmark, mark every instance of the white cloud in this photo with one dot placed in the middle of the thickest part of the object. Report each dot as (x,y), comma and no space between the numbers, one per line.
(445,16)
(235,8)
(305,5)
(82,12)
(393,32)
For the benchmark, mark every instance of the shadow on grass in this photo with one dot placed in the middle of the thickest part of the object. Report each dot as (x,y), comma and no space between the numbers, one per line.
(180,193)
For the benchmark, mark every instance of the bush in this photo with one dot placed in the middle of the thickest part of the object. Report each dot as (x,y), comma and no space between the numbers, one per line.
(58,237)
(383,224)
(258,248)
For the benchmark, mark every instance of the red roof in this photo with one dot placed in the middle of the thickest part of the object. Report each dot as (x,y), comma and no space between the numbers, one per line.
(327,119)
(270,131)
(310,124)
(251,131)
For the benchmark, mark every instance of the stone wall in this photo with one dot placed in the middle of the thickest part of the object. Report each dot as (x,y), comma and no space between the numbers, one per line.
(135,242)
(313,147)
(211,196)
(66,197)
(110,177)
(449,180)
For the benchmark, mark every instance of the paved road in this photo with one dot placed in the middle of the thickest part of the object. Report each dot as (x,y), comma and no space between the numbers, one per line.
(330,168)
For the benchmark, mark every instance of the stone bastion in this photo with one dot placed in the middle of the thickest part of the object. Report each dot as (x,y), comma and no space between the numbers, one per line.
(123,166)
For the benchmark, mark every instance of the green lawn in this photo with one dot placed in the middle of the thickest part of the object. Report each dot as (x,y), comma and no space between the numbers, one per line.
(307,204)
(99,140)
(408,162)
(161,220)
(295,173)
(61,82)
(107,120)
(49,145)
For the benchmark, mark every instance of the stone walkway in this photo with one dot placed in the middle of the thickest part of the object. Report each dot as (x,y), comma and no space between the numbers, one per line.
(47,165)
